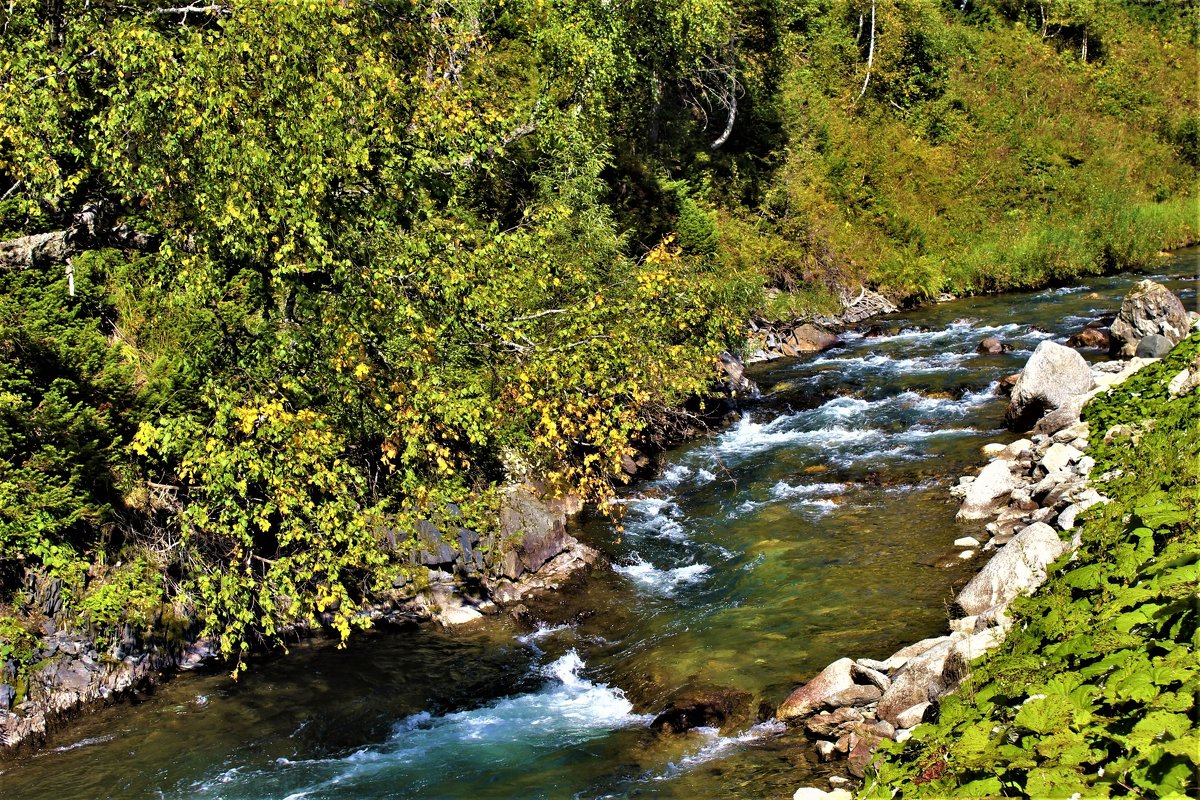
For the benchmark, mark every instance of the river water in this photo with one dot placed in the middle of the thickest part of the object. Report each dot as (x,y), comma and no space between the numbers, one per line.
(817,525)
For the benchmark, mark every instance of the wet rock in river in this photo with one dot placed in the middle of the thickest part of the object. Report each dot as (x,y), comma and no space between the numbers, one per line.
(1149,308)
(706,707)
(991,345)
(1053,375)
(813,695)
(1090,337)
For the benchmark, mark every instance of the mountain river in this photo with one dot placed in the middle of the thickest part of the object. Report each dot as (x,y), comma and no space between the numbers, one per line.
(817,525)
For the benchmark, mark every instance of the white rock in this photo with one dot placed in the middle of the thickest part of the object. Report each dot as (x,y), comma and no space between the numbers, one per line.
(1066,518)
(966,555)
(1058,456)
(811,793)
(966,541)
(1018,447)
(1052,375)
(993,450)
(1020,567)
(987,493)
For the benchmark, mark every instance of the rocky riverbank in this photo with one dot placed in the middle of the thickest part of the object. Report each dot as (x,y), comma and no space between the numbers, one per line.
(1032,491)
(530,552)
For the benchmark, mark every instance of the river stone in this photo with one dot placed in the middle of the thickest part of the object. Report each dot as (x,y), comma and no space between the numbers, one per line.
(1060,418)
(1090,337)
(7,695)
(993,450)
(1051,377)
(1019,568)
(869,675)
(811,793)
(808,338)
(898,659)
(1058,456)
(832,723)
(913,715)
(966,541)
(862,749)
(935,673)
(856,695)
(988,492)
(1149,308)
(1153,346)
(810,697)
(825,750)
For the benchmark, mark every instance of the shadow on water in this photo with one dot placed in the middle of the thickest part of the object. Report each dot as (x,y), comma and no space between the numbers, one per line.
(817,525)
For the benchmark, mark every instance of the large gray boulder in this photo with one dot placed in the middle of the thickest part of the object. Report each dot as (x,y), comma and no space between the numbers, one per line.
(1149,308)
(989,492)
(1020,567)
(1052,377)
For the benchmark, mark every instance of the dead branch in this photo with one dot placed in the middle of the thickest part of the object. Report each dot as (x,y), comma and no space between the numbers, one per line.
(870,55)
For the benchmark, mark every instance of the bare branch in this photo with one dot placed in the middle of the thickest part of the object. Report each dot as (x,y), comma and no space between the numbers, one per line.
(870,55)
(540,314)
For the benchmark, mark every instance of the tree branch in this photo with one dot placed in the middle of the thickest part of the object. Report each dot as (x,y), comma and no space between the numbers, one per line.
(870,55)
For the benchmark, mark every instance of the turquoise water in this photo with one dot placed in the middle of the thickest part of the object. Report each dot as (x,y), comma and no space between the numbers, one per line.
(816,525)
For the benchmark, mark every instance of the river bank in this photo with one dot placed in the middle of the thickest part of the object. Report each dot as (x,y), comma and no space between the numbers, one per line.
(707,571)
(1035,490)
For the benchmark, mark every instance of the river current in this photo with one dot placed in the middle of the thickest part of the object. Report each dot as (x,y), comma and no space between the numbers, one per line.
(816,525)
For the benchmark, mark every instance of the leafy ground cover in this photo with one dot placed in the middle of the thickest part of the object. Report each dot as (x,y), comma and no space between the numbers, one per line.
(1093,693)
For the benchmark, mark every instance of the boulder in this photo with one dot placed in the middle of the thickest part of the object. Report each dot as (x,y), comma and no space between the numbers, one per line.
(808,338)
(935,673)
(1090,337)
(813,695)
(1061,418)
(988,493)
(1149,308)
(1153,346)
(991,345)
(533,530)
(1058,456)
(856,695)
(1053,375)
(1019,568)
(914,715)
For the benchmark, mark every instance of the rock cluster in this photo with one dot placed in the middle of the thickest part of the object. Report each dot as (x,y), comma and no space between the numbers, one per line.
(772,340)
(1150,309)
(1032,490)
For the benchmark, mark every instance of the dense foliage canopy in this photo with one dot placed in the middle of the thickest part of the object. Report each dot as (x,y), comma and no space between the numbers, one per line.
(310,272)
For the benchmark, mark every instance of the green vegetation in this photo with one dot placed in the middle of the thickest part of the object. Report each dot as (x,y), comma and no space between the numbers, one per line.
(336,265)
(1094,691)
